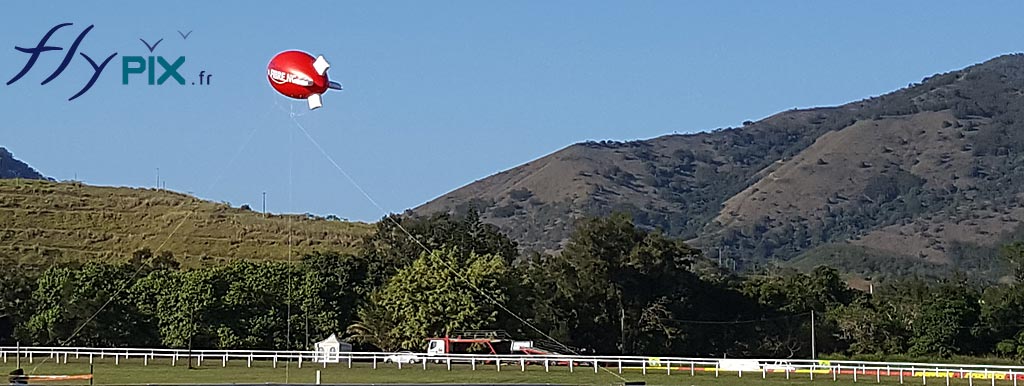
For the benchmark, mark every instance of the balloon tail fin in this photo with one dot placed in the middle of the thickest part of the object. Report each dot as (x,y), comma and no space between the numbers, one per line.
(315,101)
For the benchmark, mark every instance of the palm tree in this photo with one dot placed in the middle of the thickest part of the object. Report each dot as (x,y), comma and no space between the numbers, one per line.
(375,327)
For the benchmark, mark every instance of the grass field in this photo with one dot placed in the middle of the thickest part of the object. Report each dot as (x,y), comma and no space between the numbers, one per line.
(43,221)
(133,372)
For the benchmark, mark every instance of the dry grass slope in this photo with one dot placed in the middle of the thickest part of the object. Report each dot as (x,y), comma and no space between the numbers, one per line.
(42,221)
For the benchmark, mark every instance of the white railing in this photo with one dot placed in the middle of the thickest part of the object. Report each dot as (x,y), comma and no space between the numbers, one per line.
(864,370)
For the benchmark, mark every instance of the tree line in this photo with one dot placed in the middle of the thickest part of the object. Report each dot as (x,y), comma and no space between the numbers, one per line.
(613,288)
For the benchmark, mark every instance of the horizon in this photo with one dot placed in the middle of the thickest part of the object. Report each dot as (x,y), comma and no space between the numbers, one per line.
(439,96)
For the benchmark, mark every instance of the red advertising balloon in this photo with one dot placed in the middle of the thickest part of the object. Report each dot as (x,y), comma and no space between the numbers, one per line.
(298,75)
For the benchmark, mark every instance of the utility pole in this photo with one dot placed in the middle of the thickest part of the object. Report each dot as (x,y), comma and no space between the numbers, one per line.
(158,178)
(814,351)
(192,332)
(622,324)
(264,204)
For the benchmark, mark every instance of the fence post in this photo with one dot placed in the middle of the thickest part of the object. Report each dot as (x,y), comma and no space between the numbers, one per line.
(668,368)
(248,362)
(854,375)
(374,361)
(545,365)
(318,375)
(643,367)
(595,365)
(65,357)
(448,362)
(472,363)
(497,362)
(901,376)
(117,359)
(224,363)
(691,368)
(275,361)
(834,371)
(716,369)
(350,360)
(90,358)
(571,363)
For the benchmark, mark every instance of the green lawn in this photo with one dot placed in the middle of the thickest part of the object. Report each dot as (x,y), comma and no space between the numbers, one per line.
(160,371)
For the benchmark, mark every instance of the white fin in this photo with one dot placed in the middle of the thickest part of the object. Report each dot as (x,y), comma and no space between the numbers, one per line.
(315,101)
(321,65)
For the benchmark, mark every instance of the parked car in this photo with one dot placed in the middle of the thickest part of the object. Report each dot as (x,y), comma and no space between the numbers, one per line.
(402,357)
(779,366)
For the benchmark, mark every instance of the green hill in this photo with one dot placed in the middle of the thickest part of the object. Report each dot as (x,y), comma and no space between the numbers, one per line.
(44,221)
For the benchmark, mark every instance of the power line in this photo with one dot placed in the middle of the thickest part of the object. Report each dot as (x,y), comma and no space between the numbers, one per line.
(427,250)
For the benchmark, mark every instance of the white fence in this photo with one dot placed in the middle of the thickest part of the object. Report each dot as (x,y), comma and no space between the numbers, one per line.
(858,370)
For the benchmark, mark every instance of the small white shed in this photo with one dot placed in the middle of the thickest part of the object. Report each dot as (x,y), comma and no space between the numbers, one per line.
(329,350)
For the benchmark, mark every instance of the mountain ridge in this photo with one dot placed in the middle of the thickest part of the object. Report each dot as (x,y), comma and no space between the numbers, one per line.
(937,153)
(11,167)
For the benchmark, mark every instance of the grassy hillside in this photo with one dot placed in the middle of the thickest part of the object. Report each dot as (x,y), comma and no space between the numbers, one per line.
(43,221)
(918,172)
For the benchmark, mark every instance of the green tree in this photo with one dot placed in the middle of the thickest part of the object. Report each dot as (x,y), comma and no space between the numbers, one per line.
(376,328)
(1014,254)
(616,288)
(944,325)
(87,306)
(17,282)
(390,249)
(180,305)
(438,293)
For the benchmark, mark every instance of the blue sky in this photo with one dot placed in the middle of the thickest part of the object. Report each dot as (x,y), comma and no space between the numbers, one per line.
(439,94)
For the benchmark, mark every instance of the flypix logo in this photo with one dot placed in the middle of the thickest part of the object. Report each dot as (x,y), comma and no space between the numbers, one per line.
(155,69)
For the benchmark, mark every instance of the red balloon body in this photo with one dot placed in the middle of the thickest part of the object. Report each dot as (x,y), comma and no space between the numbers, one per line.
(292,74)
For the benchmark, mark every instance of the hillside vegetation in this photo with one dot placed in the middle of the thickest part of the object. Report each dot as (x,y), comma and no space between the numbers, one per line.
(42,222)
(927,174)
